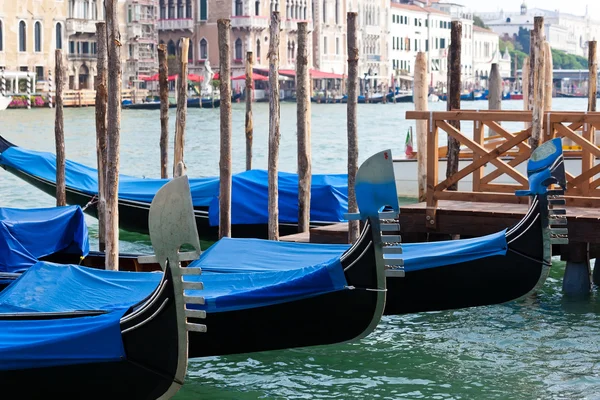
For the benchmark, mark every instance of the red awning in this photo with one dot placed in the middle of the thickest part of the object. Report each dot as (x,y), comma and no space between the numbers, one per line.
(155,78)
(195,78)
(287,72)
(255,77)
(316,74)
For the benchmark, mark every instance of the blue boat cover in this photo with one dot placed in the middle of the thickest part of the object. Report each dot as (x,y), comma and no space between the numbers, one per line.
(29,234)
(249,203)
(47,287)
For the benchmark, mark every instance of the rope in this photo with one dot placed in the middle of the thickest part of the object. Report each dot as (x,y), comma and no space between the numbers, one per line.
(367,289)
(92,201)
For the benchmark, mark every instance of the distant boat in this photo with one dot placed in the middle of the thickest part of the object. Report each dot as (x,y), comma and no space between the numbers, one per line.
(4,102)
(155,105)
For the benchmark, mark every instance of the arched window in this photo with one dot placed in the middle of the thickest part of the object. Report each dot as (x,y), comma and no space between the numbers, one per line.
(1,36)
(258,50)
(22,36)
(37,30)
(203,10)
(163,9)
(239,9)
(324,10)
(171,49)
(238,49)
(203,49)
(257,7)
(59,36)
(337,11)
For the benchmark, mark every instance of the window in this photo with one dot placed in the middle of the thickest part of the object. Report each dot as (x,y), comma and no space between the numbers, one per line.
(416,45)
(39,73)
(86,9)
(71,8)
(131,51)
(94,9)
(426,44)
(258,50)
(239,10)
(129,14)
(180,9)
(171,49)
(171,9)
(203,10)
(337,45)
(37,31)
(442,43)
(324,10)
(238,49)
(94,47)
(337,11)
(203,49)
(257,7)
(1,36)
(163,9)
(325,45)
(85,47)
(188,10)
(59,37)
(22,36)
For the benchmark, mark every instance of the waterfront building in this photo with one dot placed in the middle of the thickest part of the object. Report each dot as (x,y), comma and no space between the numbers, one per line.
(486,52)
(564,31)
(330,48)
(416,28)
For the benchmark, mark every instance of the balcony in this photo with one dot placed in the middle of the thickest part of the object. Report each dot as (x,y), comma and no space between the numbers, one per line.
(184,24)
(134,30)
(292,24)
(249,22)
(373,30)
(77,25)
(373,57)
(82,57)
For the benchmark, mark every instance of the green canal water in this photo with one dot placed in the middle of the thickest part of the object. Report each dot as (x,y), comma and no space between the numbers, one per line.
(544,347)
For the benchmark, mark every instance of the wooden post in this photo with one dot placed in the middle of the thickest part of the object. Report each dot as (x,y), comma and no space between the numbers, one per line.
(548,77)
(420,99)
(536,82)
(352,30)
(224,31)
(249,95)
(495,91)
(525,87)
(181,107)
(453,102)
(113,135)
(274,133)
(101,105)
(303,124)
(593,76)
(163,84)
(59,134)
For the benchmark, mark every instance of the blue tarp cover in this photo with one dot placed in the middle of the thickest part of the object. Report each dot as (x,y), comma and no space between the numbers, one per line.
(29,234)
(249,203)
(47,287)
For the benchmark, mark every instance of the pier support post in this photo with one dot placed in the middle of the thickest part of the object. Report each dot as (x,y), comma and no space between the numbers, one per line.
(59,134)
(548,79)
(249,96)
(101,105)
(181,109)
(50,87)
(274,129)
(593,76)
(28,88)
(537,77)
(576,281)
(113,135)
(453,101)
(495,91)
(303,126)
(352,27)
(420,99)
(2,83)
(224,32)
(163,85)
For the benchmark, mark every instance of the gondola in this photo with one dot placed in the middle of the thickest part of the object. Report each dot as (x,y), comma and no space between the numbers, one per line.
(317,294)
(72,332)
(487,270)
(329,194)
(191,103)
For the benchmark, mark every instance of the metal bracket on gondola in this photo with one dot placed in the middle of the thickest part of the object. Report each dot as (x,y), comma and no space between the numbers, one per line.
(391,240)
(185,256)
(557,200)
(352,216)
(557,219)
(557,211)
(387,227)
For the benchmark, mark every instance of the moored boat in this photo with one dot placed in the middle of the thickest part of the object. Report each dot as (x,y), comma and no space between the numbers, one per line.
(4,102)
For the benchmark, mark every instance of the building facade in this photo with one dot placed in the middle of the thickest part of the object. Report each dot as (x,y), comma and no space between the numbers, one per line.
(486,51)
(330,48)
(567,32)
(417,28)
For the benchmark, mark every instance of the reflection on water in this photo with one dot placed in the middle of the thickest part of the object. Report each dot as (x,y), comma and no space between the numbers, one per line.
(545,347)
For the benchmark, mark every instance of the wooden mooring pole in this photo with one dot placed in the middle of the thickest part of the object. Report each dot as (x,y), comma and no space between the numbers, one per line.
(113,135)
(249,96)
(420,99)
(101,105)
(163,85)
(593,76)
(548,79)
(224,32)
(525,88)
(274,132)
(495,91)
(537,79)
(59,134)
(453,102)
(178,163)
(303,128)
(352,27)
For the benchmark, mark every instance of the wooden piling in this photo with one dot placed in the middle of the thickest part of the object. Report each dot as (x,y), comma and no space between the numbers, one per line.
(420,98)
(525,86)
(101,105)
(495,91)
(537,72)
(303,127)
(224,32)
(352,30)
(113,135)
(593,76)
(274,132)
(453,102)
(163,84)
(249,96)
(181,106)
(548,77)
(59,134)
